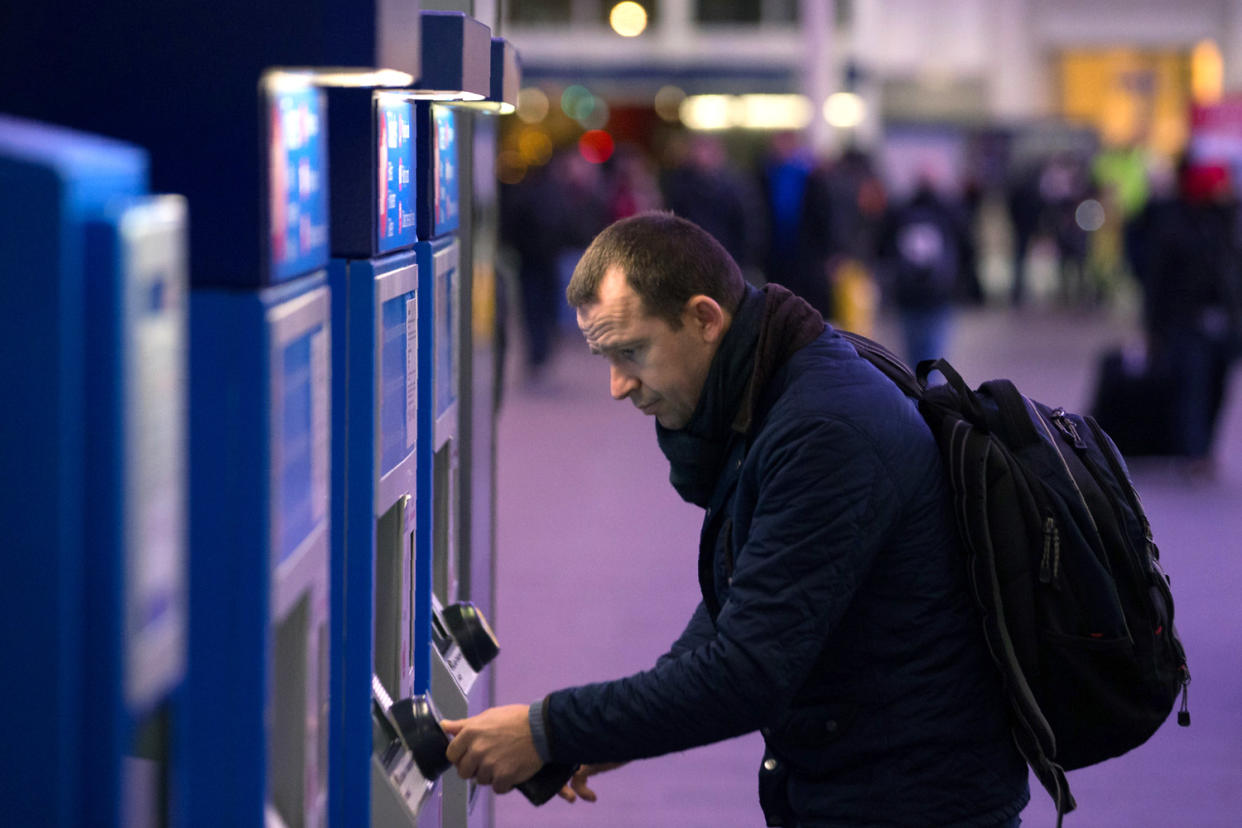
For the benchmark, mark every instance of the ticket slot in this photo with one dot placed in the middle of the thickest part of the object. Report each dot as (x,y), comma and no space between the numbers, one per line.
(394,590)
(399,788)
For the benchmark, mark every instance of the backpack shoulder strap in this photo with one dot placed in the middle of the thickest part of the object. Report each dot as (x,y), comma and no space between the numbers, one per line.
(979,462)
(885,360)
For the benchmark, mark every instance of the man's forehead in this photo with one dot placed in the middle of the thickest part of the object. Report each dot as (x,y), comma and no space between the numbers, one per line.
(614,287)
(616,308)
(603,326)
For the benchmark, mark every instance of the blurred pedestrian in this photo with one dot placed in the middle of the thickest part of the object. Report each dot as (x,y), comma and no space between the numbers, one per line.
(1193,305)
(783,176)
(1025,209)
(549,216)
(1122,174)
(848,207)
(798,244)
(528,228)
(969,284)
(921,250)
(705,188)
(633,183)
(1063,187)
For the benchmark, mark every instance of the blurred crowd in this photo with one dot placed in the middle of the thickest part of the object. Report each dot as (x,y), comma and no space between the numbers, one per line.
(835,232)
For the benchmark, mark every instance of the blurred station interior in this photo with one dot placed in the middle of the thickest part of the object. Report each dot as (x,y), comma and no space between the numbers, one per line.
(1058,132)
(989,97)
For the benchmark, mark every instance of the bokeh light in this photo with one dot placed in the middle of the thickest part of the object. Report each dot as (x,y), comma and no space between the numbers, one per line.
(1207,73)
(510,168)
(535,147)
(775,111)
(577,102)
(532,106)
(707,112)
(844,110)
(597,118)
(628,19)
(667,102)
(596,146)
(1090,215)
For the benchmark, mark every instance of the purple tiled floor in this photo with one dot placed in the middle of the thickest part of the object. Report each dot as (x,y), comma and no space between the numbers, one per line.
(596,576)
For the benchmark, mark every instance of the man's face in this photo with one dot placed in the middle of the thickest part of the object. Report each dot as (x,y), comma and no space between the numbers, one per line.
(659,369)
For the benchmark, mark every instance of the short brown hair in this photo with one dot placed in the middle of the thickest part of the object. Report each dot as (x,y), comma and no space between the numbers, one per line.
(665,259)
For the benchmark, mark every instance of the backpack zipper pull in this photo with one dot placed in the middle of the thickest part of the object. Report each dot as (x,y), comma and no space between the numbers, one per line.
(1183,715)
(1045,567)
(1056,557)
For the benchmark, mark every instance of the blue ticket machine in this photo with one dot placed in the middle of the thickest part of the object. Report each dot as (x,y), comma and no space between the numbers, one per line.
(439,260)
(136,562)
(440,504)
(92,604)
(382,621)
(375,307)
(257,702)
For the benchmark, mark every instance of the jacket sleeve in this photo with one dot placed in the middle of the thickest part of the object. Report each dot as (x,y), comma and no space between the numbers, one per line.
(699,630)
(823,507)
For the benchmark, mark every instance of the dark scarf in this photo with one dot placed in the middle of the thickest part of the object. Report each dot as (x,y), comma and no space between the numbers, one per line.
(768,327)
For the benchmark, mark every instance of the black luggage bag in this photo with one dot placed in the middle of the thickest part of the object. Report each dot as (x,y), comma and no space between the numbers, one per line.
(1134,404)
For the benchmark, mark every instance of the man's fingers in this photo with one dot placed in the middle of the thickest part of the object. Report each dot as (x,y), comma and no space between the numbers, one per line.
(458,746)
(467,767)
(567,793)
(456,750)
(580,787)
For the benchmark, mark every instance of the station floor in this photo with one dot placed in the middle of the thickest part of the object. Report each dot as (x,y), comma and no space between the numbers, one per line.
(596,576)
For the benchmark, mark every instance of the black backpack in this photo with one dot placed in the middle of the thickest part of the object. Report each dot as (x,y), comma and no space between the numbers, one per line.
(1076,609)
(925,262)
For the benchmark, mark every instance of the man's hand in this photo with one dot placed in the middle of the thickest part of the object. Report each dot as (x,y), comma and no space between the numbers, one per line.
(494,748)
(577,786)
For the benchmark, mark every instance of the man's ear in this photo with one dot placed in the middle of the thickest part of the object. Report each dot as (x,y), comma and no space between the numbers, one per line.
(708,319)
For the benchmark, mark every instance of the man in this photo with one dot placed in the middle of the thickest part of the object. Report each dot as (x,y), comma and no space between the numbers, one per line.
(835,617)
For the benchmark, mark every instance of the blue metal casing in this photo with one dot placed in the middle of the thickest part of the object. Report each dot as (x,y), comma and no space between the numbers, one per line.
(374,306)
(439,287)
(181,80)
(506,75)
(374,438)
(52,182)
(456,52)
(256,707)
(135,603)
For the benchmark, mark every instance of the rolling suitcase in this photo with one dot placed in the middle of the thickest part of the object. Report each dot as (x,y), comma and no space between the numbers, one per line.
(1133,403)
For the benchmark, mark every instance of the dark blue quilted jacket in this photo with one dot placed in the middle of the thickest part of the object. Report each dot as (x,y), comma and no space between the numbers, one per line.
(835,619)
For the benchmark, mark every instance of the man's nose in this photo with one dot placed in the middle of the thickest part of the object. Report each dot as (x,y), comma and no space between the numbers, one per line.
(620,384)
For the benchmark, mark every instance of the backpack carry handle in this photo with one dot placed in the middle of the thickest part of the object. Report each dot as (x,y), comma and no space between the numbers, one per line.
(1015,417)
(969,402)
